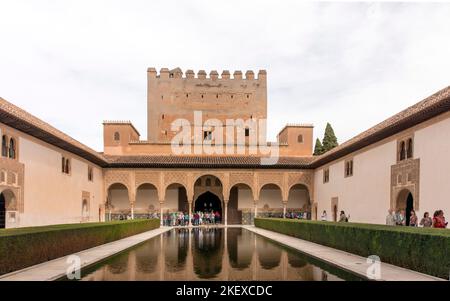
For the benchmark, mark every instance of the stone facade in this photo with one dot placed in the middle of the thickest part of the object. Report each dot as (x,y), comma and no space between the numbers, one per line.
(161,179)
(402,159)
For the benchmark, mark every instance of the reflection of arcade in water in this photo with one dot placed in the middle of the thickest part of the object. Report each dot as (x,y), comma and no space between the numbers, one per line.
(209,253)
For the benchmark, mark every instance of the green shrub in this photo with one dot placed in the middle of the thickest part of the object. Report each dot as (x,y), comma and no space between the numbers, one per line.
(425,250)
(23,247)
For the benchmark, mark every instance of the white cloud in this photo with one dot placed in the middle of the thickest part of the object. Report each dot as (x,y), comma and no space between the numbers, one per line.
(76,63)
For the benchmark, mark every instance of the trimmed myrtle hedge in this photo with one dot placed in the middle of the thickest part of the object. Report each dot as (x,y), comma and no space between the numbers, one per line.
(23,247)
(426,250)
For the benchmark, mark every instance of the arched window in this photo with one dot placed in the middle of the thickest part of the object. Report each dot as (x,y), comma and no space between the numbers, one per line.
(63,164)
(2,176)
(116,136)
(12,148)
(67,166)
(402,151)
(409,152)
(351,167)
(4,146)
(90,174)
(300,139)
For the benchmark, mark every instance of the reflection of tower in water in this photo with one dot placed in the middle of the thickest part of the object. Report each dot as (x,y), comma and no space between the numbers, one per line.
(207,252)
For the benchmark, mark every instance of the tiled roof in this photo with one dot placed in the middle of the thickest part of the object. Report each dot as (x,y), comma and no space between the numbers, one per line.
(21,120)
(428,108)
(205,162)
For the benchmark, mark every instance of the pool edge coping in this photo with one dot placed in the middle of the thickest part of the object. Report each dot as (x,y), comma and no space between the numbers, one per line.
(60,262)
(273,236)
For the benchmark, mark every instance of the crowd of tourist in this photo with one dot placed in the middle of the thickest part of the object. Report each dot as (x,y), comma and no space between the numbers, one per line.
(213,217)
(399,219)
(342,216)
(298,215)
(198,218)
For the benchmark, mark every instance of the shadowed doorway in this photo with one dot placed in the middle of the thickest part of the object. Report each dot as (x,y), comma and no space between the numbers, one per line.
(405,201)
(208,201)
(409,207)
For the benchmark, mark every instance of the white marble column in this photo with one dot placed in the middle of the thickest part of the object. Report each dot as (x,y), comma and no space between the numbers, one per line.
(190,213)
(225,212)
(161,213)
(284,209)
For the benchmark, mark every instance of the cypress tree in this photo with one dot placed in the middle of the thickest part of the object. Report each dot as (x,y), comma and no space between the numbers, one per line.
(318,149)
(329,139)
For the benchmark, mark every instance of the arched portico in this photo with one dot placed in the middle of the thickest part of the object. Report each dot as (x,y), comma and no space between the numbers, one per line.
(241,204)
(147,201)
(298,200)
(243,193)
(208,195)
(118,202)
(271,200)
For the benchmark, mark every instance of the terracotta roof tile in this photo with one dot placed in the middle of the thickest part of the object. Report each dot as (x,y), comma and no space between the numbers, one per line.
(205,162)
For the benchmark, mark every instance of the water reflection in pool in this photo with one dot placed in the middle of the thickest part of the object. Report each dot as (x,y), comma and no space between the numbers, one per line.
(203,254)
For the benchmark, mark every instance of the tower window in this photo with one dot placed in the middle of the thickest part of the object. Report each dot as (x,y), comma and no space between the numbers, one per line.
(162,116)
(300,139)
(247,132)
(116,136)
(207,135)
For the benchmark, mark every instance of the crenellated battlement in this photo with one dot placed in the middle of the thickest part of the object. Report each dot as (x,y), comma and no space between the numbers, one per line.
(177,73)
(219,95)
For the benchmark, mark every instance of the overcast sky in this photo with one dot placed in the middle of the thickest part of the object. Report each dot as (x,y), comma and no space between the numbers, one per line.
(77,63)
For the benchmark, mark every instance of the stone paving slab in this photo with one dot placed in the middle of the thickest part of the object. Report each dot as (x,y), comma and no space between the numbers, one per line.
(56,268)
(344,260)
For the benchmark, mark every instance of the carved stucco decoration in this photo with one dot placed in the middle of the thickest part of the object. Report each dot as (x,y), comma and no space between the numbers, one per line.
(405,175)
(14,182)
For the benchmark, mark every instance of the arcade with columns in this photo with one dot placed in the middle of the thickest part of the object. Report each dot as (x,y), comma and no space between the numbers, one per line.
(239,195)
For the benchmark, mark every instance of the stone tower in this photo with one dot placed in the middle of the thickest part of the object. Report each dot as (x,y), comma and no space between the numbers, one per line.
(170,95)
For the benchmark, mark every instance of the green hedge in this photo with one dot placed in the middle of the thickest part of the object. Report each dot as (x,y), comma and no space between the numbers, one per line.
(425,250)
(23,247)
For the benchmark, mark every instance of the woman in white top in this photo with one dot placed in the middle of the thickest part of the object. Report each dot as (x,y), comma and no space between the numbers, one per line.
(324,216)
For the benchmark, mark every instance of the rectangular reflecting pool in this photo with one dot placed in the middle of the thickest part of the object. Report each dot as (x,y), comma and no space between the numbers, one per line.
(212,254)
